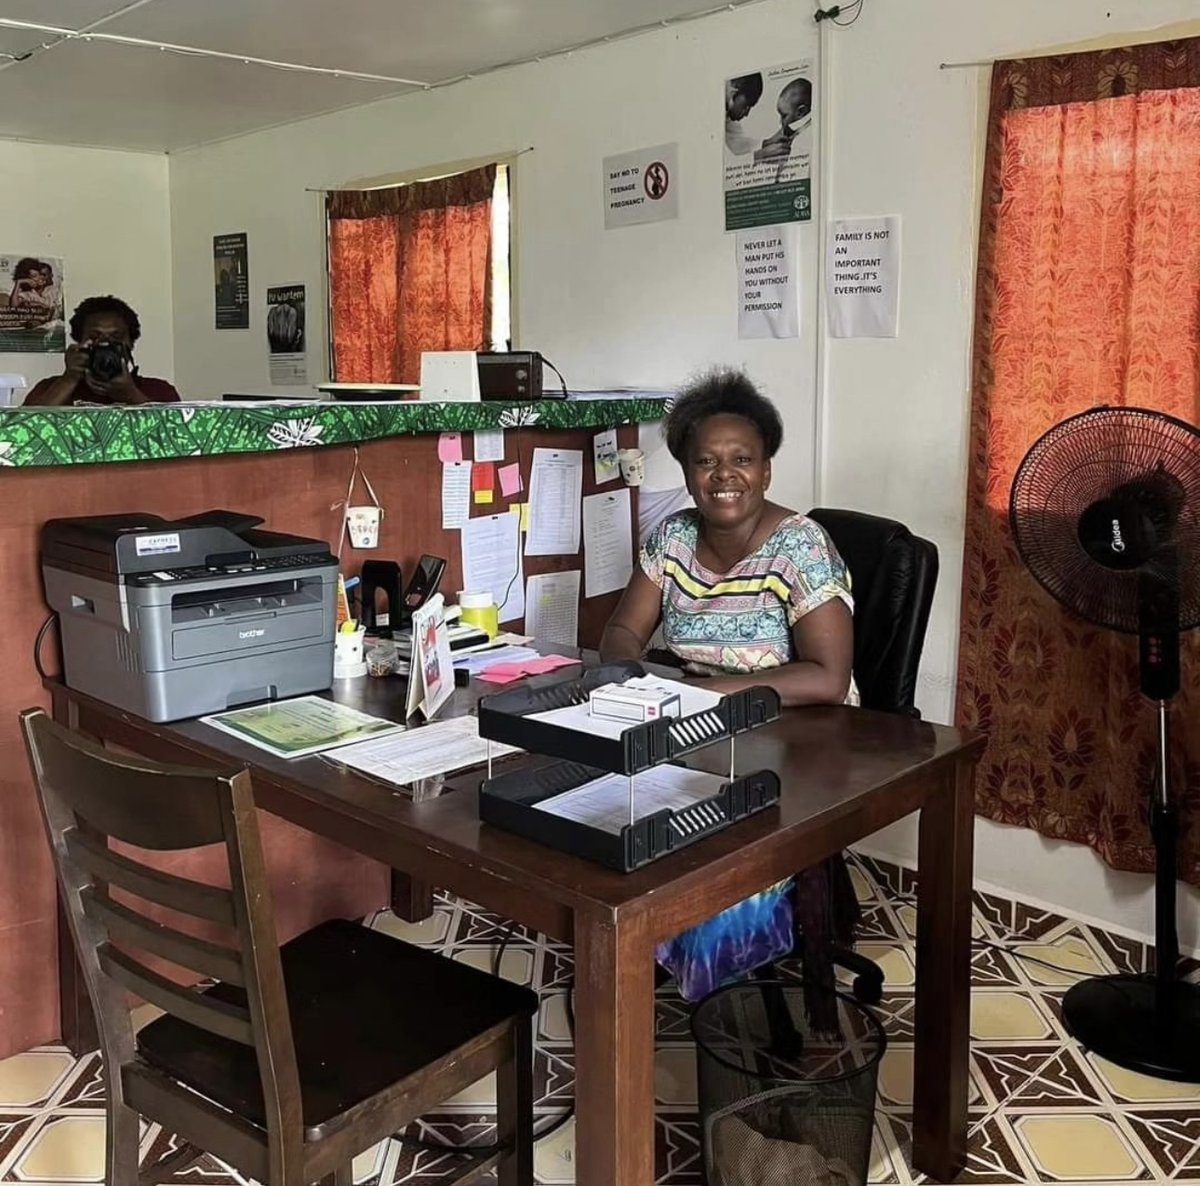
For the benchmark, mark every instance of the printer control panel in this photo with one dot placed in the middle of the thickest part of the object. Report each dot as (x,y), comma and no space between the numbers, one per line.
(207,572)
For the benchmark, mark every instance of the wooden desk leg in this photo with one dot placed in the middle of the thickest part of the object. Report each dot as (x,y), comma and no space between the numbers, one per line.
(76,1021)
(614,1053)
(943,992)
(412,900)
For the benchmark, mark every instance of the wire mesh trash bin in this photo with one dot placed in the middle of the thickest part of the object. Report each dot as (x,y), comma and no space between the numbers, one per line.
(779,1102)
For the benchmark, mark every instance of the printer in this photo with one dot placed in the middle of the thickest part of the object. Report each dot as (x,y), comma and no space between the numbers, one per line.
(174,618)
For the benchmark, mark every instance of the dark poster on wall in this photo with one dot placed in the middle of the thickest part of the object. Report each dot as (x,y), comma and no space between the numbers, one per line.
(231,280)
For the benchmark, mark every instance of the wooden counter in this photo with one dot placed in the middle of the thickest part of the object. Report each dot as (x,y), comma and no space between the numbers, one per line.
(293,489)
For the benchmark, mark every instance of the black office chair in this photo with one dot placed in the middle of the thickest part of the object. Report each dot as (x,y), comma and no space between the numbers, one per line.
(893,574)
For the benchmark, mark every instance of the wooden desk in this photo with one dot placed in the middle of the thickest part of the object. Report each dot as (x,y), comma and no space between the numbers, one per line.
(846,773)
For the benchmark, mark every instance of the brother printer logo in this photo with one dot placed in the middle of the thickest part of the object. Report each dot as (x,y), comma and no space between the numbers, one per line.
(243,634)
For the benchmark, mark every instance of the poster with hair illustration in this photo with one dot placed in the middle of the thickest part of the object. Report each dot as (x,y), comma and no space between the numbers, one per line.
(768,151)
(287,349)
(32,320)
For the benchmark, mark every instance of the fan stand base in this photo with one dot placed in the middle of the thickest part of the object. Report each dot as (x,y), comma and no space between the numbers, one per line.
(1116,1018)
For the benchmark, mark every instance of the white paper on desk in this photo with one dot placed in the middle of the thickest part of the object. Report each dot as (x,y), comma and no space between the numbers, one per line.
(456,494)
(605,803)
(491,562)
(424,752)
(552,612)
(555,490)
(489,444)
(607,542)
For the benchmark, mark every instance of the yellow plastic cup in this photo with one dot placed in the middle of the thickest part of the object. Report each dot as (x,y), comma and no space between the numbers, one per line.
(479,611)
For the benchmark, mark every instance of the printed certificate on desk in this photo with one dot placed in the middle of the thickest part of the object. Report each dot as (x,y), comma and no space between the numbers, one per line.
(296,728)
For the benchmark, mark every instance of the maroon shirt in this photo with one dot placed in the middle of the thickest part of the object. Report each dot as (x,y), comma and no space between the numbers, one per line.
(156,391)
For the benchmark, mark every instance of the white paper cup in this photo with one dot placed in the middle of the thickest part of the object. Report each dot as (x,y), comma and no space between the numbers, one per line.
(633,466)
(363,525)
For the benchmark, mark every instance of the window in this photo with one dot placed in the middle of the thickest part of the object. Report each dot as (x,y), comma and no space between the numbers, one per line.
(418,267)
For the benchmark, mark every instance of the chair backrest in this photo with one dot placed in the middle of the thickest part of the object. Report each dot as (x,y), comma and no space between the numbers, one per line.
(88,797)
(893,574)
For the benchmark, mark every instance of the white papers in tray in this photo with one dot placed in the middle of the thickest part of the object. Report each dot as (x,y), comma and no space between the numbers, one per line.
(422,752)
(604,803)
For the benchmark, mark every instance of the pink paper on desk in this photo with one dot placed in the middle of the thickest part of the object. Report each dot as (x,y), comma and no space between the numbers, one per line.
(505,673)
(510,479)
(450,447)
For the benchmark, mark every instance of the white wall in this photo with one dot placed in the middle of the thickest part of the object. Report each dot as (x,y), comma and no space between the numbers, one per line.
(645,305)
(907,139)
(107,214)
(651,304)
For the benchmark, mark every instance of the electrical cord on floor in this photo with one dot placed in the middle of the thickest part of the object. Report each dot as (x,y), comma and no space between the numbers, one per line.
(37,644)
(558,1123)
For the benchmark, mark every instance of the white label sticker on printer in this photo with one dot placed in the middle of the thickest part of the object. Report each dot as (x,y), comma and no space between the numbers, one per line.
(157,545)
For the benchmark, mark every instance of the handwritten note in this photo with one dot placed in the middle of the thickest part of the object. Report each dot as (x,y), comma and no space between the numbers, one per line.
(555,489)
(456,494)
(607,542)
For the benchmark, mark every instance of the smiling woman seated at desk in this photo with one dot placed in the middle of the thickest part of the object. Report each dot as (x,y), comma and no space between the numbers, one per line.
(748,593)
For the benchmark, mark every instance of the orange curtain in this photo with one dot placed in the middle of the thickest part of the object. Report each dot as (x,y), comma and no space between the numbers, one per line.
(409,271)
(1088,293)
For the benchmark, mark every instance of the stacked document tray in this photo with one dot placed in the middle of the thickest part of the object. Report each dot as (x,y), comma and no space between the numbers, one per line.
(618,794)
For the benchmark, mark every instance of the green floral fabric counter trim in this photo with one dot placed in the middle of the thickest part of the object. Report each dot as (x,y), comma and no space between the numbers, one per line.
(94,436)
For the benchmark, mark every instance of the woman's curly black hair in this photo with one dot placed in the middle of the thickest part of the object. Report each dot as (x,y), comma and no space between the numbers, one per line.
(722,392)
(99,305)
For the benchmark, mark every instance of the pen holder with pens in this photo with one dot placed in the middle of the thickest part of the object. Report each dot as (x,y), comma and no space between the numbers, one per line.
(348,659)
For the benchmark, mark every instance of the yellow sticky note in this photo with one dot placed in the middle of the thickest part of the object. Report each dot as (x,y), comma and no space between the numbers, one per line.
(482,497)
(524,516)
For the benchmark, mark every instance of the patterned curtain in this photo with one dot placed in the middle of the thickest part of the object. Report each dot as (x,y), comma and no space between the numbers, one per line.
(409,271)
(1088,293)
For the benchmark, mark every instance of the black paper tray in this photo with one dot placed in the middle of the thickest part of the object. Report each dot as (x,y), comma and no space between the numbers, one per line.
(505,717)
(509,802)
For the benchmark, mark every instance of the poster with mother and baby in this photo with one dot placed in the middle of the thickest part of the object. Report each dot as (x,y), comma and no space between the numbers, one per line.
(769,146)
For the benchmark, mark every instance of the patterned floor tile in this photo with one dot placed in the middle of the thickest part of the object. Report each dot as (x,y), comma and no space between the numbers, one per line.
(1042,1110)
(31,1080)
(1079,1147)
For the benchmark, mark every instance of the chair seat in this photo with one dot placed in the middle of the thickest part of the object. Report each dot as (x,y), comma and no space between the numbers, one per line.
(367,1010)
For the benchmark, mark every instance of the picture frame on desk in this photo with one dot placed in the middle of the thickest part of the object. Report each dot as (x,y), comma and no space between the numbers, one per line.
(431,670)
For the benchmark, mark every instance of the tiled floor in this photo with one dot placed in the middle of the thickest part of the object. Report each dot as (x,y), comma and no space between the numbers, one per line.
(1041,1110)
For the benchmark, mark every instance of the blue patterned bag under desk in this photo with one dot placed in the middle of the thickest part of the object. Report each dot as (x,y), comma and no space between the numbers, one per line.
(732,944)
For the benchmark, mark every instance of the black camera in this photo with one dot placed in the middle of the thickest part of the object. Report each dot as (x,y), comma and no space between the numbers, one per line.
(108,359)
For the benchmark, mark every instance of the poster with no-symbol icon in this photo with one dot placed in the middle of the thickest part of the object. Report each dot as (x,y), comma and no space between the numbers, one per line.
(231,280)
(769,146)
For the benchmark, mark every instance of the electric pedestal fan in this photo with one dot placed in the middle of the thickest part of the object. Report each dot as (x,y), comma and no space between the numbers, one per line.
(1105,512)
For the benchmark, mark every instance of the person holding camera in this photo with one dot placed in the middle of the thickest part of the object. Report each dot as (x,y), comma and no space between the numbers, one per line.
(99,367)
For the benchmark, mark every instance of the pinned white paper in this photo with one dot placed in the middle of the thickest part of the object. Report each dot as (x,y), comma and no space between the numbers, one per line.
(607,542)
(862,278)
(555,489)
(456,494)
(552,610)
(768,294)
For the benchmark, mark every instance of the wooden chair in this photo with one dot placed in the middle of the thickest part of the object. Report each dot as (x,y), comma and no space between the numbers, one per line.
(296,1059)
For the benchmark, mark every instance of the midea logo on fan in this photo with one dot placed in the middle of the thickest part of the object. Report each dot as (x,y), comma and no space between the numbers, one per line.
(1118,542)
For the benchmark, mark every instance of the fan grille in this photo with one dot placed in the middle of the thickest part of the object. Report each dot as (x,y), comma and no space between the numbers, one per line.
(1080,462)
